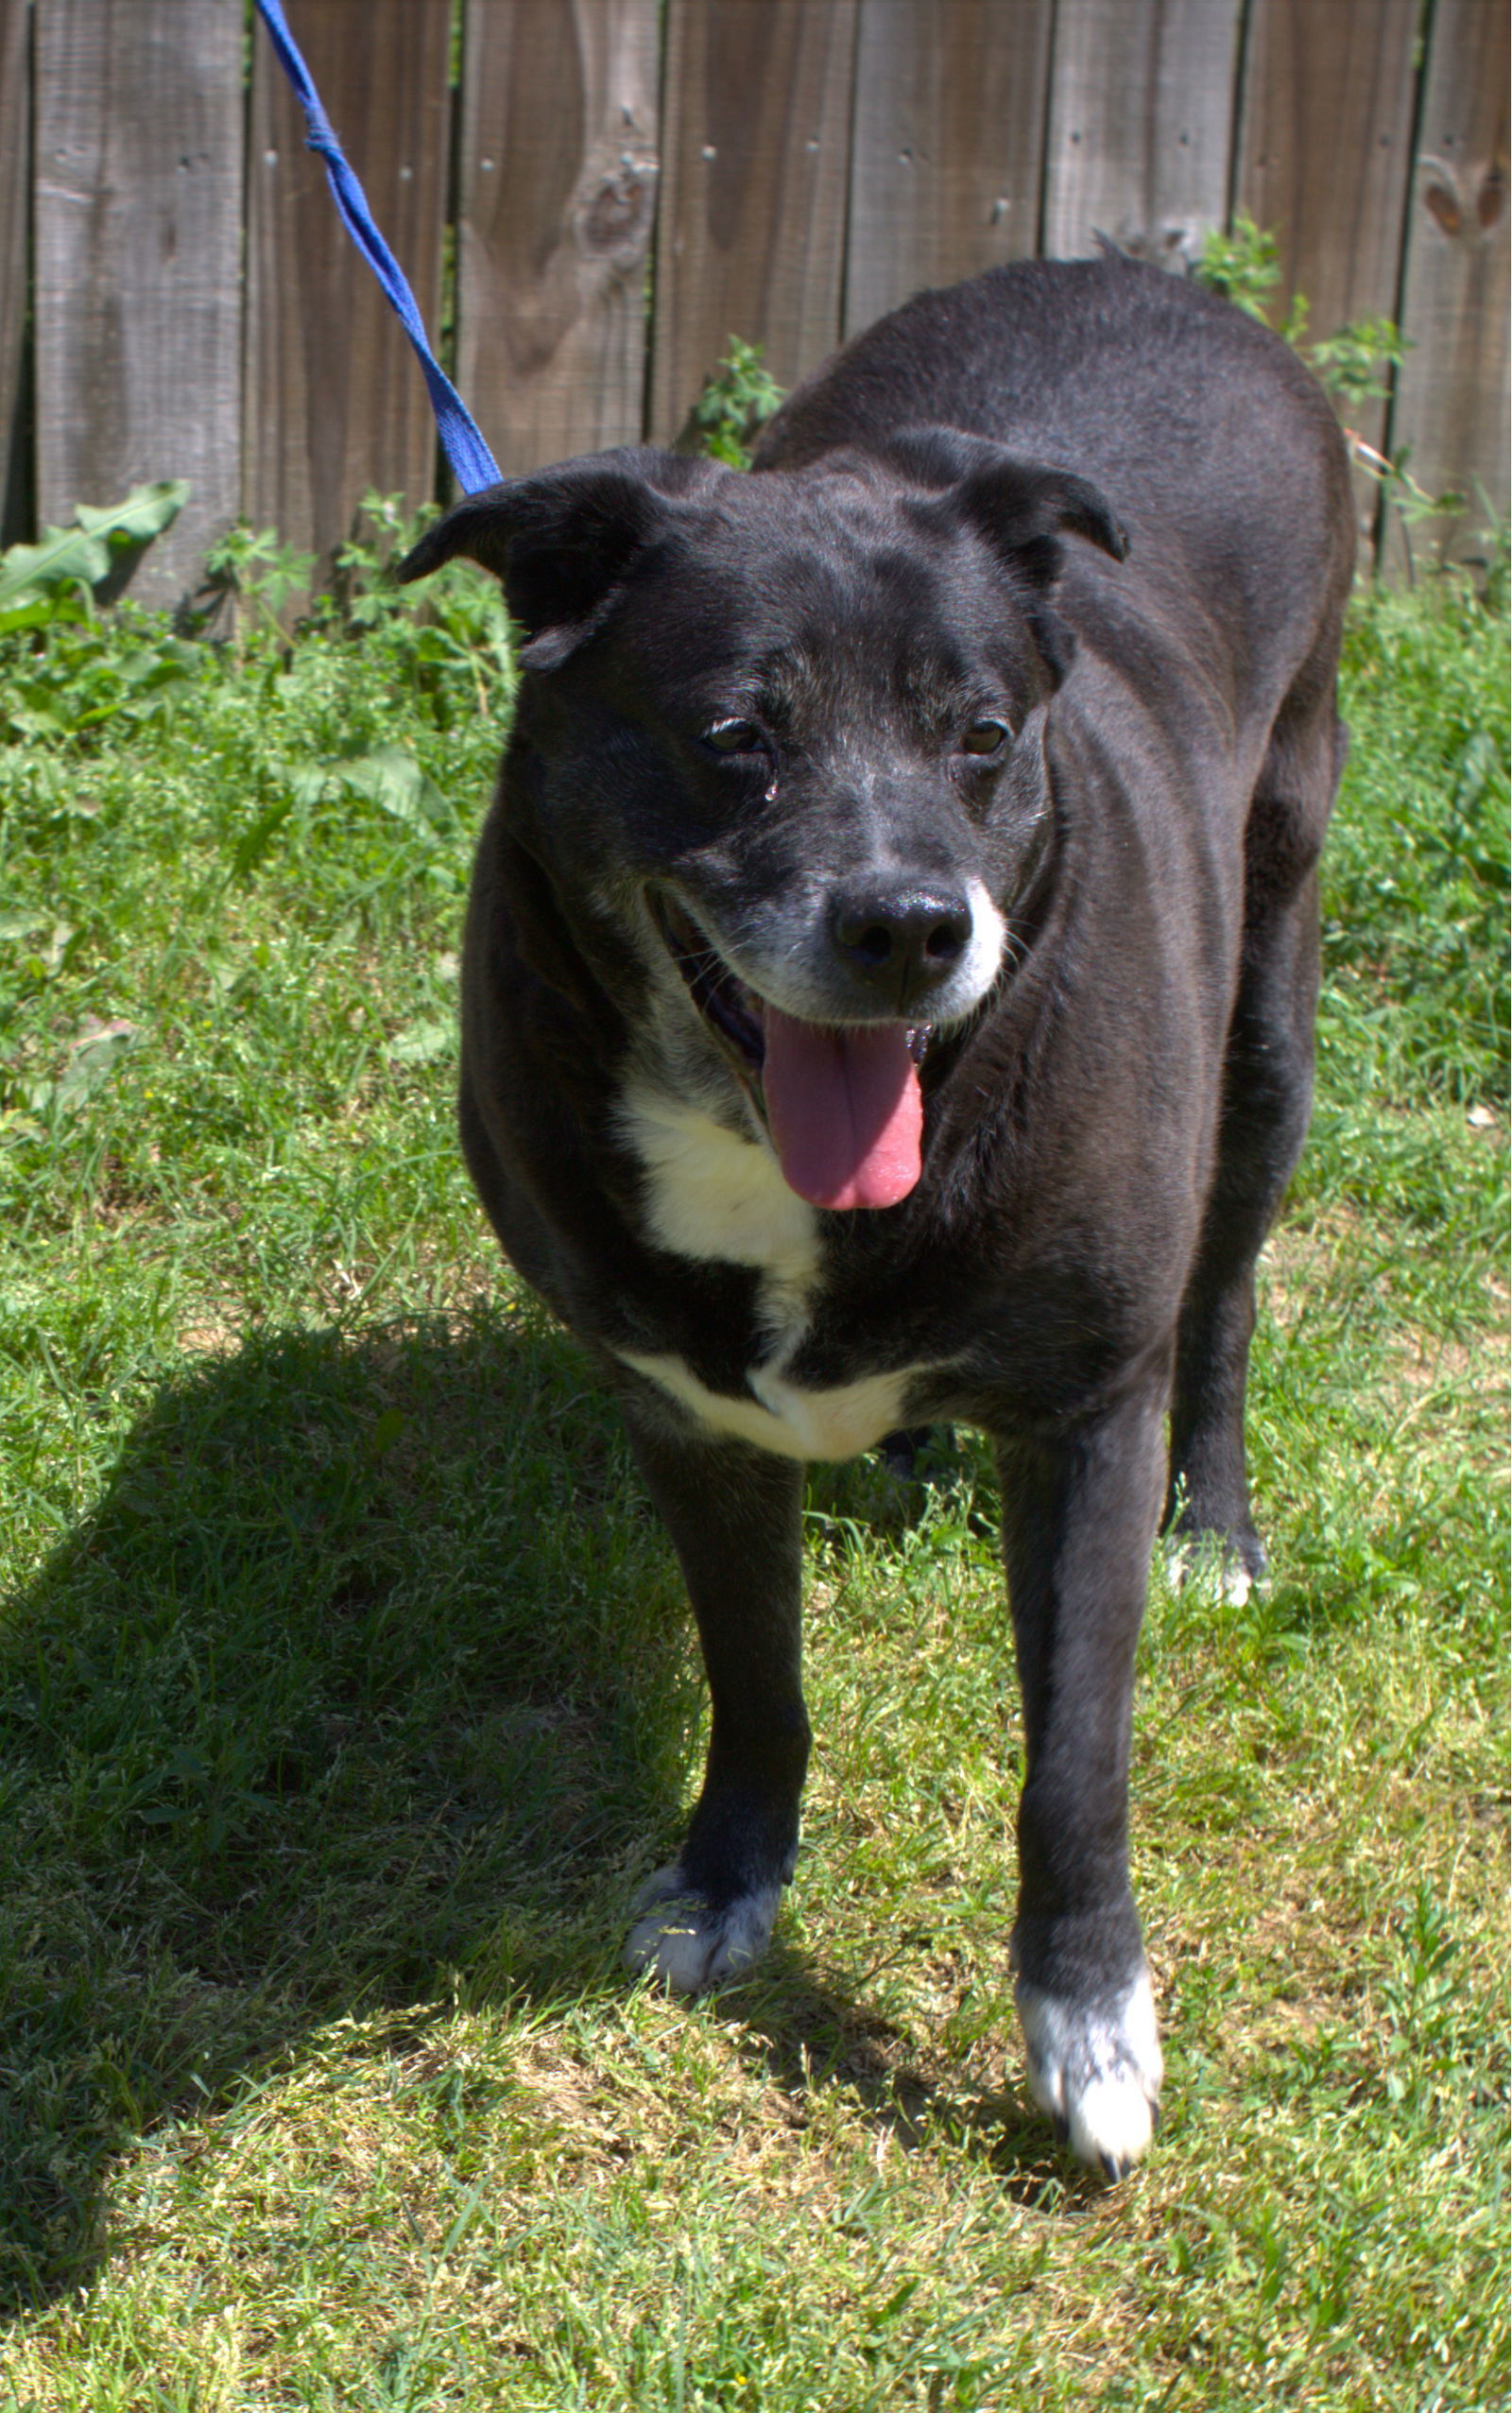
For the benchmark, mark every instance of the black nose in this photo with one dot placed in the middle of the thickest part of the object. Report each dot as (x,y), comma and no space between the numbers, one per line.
(903,942)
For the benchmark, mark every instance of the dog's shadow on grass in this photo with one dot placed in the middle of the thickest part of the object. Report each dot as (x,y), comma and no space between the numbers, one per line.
(370,1659)
(367,1679)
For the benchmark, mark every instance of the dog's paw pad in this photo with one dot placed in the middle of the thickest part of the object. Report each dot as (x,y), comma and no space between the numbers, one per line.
(1097,2071)
(680,1938)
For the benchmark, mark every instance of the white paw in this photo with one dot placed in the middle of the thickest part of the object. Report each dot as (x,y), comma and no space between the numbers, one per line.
(677,1939)
(1097,2071)
(1195,1560)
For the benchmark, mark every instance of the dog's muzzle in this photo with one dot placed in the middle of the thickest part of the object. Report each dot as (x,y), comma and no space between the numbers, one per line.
(842,1104)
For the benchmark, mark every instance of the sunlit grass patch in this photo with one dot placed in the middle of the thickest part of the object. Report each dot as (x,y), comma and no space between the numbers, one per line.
(346,1690)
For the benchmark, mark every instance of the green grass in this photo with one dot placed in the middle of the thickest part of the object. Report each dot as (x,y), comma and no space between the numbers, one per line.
(345,1687)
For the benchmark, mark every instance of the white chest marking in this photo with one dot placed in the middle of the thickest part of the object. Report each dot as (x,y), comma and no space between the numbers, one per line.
(782,1417)
(714,1196)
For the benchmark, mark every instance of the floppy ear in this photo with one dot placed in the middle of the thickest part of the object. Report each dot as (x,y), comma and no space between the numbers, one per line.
(1022,509)
(561,541)
(1020,506)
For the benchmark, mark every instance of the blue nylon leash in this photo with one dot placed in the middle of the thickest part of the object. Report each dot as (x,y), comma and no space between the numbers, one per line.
(473,464)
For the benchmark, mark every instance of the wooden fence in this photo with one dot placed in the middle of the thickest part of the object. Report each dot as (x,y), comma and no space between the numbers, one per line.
(592,195)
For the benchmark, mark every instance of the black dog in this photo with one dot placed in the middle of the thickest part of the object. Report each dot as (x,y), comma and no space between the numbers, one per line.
(888,997)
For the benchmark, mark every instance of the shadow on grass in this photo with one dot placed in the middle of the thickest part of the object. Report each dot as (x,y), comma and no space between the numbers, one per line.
(367,1683)
(369,1659)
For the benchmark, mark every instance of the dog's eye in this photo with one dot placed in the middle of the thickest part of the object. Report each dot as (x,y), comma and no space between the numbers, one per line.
(735,737)
(986,737)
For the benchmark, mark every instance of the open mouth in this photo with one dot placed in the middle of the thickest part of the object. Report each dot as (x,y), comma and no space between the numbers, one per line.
(735,1012)
(843,1105)
(723,998)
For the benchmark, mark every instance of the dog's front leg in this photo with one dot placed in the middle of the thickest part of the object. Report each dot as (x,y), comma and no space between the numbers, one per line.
(1079,1513)
(735,1516)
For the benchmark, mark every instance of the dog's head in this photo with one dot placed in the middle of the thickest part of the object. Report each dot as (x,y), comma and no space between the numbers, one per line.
(786,732)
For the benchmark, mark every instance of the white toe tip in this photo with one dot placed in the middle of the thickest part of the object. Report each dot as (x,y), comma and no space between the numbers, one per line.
(689,1947)
(1112,2124)
(1096,2071)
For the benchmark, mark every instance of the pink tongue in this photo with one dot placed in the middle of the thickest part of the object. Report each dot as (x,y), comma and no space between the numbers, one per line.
(845,1109)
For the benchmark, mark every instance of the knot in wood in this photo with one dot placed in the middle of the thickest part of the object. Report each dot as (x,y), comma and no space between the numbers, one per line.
(616,216)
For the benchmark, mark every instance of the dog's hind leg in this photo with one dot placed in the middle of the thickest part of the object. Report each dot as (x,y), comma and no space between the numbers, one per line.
(733,1513)
(1267,1095)
(1080,1509)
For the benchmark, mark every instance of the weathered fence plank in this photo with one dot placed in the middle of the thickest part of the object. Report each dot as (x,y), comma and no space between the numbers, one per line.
(1451,403)
(1324,152)
(752,228)
(947,145)
(557,202)
(335,399)
(808,165)
(1142,96)
(138,134)
(15,189)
